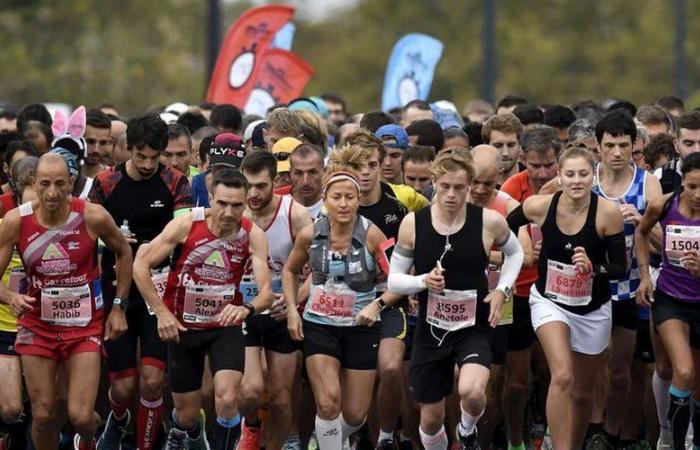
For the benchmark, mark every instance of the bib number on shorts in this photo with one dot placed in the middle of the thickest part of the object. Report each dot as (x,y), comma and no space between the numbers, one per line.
(159,277)
(67,307)
(566,286)
(334,303)
(680,239)
(451,310)
(203,303)
(249,289)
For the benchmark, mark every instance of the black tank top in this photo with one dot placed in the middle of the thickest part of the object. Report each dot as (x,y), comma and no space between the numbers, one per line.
(557,246)
(465,266)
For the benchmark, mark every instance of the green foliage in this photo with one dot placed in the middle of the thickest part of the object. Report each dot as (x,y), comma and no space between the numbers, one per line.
(137,54)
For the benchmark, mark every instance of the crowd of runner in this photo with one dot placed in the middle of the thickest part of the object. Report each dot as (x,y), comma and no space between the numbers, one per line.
(525,276)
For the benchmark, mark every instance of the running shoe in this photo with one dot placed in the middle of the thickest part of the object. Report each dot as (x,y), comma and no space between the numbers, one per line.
(292,442)
(250,438)
(114,432)
(386,444)
(177,440)
(470,442)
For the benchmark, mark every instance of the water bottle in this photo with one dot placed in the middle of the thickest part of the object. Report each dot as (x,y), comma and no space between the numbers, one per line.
(124,229)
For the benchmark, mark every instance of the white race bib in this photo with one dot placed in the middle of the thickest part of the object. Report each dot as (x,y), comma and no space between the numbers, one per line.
(334,302)
(67,306)
(451,310)
(680,239)
(204,302)
(566,286)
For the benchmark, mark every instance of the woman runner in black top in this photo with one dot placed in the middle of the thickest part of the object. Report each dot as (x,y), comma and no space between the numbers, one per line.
(583,246)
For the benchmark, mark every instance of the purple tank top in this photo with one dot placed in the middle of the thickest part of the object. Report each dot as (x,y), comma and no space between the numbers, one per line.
(679,233)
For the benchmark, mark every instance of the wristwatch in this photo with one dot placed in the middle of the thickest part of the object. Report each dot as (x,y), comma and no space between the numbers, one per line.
(250,308)
(381,303)
(123,302)
(507,291)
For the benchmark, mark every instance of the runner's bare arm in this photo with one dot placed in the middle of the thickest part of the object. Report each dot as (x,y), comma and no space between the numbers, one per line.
(300,218)
(151,254)
(645,227)
(645,292)
(297,258)
(9,235)
(496,232)
(101,223)
(652,192)
(261,271)
(290,280)
(523,237)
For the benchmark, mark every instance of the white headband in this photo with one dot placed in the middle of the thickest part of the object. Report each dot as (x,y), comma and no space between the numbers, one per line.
(341,177)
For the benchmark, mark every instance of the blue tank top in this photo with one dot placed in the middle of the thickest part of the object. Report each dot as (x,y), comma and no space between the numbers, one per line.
(199,190)
(625,288)
(675,280)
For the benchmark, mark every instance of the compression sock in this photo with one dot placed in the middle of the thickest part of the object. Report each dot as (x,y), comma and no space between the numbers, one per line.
(660,388)
(119,411)
(348,429)
(148,418)
(679,415)
(437,441)
(696,423)
(468,423)
(227,433)
(329,433)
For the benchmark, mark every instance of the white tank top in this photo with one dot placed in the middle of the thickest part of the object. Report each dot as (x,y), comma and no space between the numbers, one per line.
(279,236)
(315,209)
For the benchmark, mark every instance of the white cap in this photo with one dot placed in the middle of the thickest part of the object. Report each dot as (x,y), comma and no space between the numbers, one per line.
(168,117)
(177,108)
(248,134)
(444,104)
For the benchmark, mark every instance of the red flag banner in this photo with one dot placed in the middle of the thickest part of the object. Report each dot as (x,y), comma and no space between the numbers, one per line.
(281,77)
(239,57)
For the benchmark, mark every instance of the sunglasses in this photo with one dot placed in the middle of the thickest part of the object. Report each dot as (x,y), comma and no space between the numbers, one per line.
(282,156)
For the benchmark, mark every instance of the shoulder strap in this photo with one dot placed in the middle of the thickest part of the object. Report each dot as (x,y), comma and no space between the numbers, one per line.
(321,228)
(667,205)
(86,188)
(25,209)
(198,214)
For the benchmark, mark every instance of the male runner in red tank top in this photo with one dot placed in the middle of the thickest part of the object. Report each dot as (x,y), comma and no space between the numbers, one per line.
(203,308)
(61,317)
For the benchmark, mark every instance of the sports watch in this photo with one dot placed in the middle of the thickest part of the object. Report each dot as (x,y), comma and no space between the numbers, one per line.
(123,302)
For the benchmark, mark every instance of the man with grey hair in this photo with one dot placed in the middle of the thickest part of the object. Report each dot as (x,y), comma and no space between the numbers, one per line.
(582,134)
(541,147)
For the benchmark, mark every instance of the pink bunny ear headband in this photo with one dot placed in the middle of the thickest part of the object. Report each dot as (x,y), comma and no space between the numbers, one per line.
(73,128)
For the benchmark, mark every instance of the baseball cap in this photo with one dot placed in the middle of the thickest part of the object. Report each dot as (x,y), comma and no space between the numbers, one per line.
(226,149)
(304,103)
(393,131)
(258,137)
(248,134)
(70,160)
(282,149)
